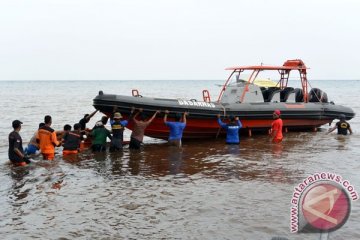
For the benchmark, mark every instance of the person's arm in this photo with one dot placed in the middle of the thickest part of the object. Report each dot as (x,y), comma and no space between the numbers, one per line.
(332,129)
(165,116)
(350,131)
(17,151)
(223,125)
(238,122)
(37,137)
(54,139)
(134,116)
(124,123)
(91,115)
(64,138)
(273,132)
(153,117)
(184,117)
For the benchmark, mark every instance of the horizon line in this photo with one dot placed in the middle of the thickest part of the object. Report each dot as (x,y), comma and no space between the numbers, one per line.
(39,80)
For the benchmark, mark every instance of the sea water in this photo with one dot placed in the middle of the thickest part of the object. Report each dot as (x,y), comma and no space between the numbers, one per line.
(206,190)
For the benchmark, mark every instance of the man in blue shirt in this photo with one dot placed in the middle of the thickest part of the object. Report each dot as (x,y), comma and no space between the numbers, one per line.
(232,129)
(176,128)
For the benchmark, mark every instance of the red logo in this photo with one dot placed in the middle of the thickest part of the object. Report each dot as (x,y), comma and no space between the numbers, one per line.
(326,207)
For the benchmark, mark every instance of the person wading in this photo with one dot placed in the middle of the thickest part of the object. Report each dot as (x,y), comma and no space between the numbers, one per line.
(46,137)
(176,128)
(276,127)
(72,140)
(16,151)
(343,127)
(232,129)
(117,128)
(137,134)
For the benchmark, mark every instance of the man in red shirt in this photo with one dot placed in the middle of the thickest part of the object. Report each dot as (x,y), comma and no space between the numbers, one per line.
(276,127)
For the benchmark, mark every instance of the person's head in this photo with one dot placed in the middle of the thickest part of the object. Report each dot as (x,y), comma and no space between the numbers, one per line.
(77,126)
(47,120)
(276,114)
(104,120)
(232,118)
(117,116)
(41,125)
(342,117)
(86,117)
(16,124)
(178,117)
(67,127)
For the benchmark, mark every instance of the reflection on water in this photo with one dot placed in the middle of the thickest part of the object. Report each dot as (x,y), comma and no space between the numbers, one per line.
(207,183)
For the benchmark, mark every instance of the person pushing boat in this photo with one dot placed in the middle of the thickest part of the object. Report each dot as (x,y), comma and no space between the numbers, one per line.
(47,139)
(176,128)
(140,125)
(343,127)
(232,129)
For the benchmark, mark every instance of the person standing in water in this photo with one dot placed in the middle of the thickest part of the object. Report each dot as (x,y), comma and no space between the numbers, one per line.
(72,140)
(343,127)
(276,127)
(33,146)
(16,152)
(176,128)
(137,134)
(47,139)
(232,129)
(86,119)
(117,127)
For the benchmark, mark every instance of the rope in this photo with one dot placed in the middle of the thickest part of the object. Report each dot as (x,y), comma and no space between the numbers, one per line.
(224,114)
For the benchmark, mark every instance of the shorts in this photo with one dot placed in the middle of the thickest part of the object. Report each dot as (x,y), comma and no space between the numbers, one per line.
(116,144)
(31,149)
(134,143)
(19,164)
(69,152)
(48,156)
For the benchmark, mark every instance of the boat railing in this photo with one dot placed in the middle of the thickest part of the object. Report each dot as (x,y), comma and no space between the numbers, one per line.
(206,96)
(135,93)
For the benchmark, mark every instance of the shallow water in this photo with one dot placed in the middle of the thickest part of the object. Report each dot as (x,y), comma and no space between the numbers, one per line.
(206,190)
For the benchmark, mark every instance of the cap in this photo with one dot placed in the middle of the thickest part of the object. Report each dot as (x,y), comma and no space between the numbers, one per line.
(117,115)
(342,117)
(277,112)
(16,123)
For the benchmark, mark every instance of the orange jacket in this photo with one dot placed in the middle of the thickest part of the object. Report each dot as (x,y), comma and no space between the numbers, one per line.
(46,136)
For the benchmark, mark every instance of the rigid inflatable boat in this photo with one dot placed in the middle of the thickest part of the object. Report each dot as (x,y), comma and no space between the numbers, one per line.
(301,108)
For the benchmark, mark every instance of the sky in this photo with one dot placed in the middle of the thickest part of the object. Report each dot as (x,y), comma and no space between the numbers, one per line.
(175,39)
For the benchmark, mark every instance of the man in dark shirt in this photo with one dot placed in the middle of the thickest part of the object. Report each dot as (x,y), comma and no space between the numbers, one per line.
(16,151)
(72,140)
(86,119)
(117,128)
(342,126)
